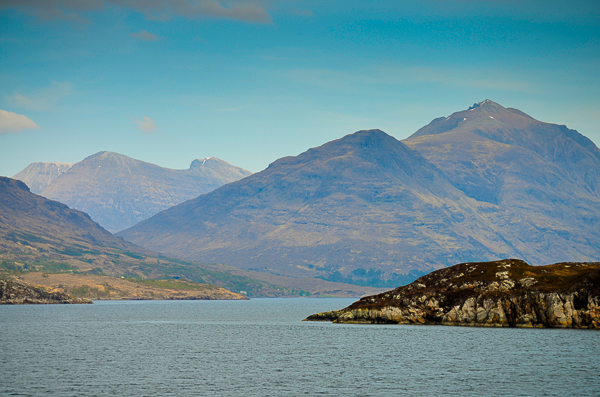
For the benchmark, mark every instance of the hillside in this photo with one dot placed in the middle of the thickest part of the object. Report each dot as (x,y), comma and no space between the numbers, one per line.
(99,287)
(371,210)
(44,237)
(118,191)
(545,176)
(364,208)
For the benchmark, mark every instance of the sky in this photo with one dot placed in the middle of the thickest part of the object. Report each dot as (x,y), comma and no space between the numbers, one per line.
(169,81)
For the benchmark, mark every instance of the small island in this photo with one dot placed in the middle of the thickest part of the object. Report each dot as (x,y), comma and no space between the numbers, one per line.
(505,293)
(14,293)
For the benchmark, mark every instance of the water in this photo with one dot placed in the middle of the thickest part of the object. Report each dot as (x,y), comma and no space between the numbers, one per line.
(262,348)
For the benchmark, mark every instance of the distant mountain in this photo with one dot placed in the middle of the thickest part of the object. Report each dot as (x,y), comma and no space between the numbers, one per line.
(497,155)
(38,176)
(362,208)
(546,176)
(118,191)
(367,209)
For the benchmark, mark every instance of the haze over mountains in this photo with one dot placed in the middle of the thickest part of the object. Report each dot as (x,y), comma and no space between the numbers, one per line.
(38,176)
(483,184)
(118,191)
(42,236)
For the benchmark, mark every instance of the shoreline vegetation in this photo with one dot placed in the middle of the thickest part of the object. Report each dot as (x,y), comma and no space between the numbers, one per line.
(98,287)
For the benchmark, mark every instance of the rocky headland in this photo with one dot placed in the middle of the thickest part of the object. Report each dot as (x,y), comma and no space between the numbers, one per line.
(13,293)
(505,293)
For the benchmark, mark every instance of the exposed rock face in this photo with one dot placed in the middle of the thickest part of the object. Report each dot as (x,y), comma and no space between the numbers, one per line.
(13,293)
(506,293)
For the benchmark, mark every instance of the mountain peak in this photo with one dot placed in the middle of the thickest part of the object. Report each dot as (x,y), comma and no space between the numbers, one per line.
(487,105)
(482,115)
(207,162)
(368,138)
(106,155)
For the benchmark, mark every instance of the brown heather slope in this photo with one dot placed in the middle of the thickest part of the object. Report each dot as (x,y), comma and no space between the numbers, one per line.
(96,287)
(37,234)
(506,293)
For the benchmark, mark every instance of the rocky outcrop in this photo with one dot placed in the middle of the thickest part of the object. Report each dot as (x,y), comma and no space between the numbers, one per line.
(506,293)
(13,293)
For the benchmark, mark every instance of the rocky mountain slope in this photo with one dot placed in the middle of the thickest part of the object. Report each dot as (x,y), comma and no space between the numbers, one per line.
(358,207)
(118,191)
(482,184)
(45,237)
(507,158)
(506,293)
(38,176)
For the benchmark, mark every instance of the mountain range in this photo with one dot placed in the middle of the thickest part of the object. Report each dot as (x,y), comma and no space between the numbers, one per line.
(118,191)
(47,243)
(485,183)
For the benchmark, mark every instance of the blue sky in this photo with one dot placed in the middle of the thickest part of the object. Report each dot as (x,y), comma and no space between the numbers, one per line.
(168,81)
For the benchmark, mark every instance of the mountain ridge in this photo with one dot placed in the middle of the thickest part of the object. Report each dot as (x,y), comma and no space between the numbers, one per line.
(369,204)
(39,176)
(39,236)
(118,191)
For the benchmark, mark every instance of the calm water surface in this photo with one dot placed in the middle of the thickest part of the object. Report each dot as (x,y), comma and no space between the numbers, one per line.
(262,348)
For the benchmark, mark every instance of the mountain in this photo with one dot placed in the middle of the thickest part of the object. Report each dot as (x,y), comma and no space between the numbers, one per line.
(118,191)
(45,242)
(363,209)
(545,176)
(484,184)
(39,176)
(28,218)
(485,148)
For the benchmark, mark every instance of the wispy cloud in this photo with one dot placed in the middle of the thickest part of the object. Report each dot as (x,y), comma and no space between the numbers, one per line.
(42,99)
(12,122)
(302,13)
(252,11)
(146,125)
(144,35)
(352,81)
(228,109)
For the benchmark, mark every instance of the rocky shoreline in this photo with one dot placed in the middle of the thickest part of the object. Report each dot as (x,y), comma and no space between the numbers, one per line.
(13,293)
(506,293)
